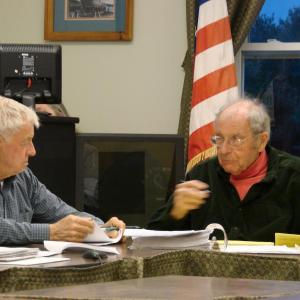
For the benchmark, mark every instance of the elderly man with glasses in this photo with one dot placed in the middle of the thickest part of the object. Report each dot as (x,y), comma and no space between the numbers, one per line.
(250,188)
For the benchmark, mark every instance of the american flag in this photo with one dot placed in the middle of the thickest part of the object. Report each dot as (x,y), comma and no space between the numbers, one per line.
(214,81)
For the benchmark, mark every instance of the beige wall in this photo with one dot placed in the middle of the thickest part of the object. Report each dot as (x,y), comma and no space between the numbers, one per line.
(116,87)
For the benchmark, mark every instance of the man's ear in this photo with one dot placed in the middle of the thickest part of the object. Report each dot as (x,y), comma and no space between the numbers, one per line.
(263,139)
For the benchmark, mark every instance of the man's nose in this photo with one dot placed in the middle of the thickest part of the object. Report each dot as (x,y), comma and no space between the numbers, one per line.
(32,151)
(224,147)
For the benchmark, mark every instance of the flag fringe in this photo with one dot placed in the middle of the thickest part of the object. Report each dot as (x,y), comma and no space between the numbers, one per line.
(212,151)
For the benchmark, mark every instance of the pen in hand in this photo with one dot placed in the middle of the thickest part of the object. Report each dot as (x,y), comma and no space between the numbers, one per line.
(110,228)
(115,228)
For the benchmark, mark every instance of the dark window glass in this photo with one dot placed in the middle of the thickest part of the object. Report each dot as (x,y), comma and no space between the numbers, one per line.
(277,83)
(129,176)
(278,20)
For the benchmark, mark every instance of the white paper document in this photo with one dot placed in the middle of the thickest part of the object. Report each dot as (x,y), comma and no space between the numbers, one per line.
(99,236)
(59,247)
(267,249)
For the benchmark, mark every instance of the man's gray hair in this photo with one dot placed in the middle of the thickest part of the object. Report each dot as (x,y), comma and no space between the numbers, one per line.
(13,115)
(258,116)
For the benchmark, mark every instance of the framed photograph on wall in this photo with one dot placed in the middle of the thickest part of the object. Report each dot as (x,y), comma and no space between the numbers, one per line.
(88,20)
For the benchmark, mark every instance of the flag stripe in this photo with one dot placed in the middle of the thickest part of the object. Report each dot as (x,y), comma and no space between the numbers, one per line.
(211,11)
(213,34)
(214,83)
(205,112)
(200,139)
(213,59)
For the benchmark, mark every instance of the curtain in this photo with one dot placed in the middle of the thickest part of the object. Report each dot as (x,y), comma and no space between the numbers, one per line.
(242,14)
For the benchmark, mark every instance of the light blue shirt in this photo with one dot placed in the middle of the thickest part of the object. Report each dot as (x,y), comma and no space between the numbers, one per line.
(27,208)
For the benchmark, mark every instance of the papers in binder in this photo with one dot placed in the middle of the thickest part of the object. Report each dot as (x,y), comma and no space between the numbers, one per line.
(143,238)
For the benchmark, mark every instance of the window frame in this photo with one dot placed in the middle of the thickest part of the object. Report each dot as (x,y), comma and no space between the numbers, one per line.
(271,50)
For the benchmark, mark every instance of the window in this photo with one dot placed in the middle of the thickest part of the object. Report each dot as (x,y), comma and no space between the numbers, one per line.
(278,20)
(269,69)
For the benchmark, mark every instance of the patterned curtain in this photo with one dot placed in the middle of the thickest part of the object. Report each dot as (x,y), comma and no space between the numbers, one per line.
(242,14)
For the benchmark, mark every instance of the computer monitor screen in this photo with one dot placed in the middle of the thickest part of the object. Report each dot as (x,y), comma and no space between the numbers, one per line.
(31,73)
(127,175)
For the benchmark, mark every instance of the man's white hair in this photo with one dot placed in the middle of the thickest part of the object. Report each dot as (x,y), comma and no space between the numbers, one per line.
(258,116)
(13,115)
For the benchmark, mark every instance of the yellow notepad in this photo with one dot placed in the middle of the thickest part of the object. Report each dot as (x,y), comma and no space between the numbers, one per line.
(290,240)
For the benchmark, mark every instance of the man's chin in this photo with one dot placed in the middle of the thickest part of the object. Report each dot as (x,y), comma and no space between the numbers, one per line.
(228,168)
(22,169)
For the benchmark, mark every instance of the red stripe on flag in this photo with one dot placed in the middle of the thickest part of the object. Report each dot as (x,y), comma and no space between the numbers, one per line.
(210,84)
(200,139)
(213,84)
(213,34)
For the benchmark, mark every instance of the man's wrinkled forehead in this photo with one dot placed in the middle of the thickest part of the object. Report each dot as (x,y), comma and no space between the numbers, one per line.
(235,120)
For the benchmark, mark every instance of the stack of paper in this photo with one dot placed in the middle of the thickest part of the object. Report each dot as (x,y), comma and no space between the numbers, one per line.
(11,254)
(159,239)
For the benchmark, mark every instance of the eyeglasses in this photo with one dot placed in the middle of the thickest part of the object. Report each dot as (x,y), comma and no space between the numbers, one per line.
(234,141)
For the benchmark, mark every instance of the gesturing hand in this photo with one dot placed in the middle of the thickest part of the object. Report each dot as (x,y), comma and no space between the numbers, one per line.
(71,228)
(188,195)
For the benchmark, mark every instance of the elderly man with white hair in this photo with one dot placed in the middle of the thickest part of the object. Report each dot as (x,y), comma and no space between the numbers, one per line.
(29,212)
(250,188)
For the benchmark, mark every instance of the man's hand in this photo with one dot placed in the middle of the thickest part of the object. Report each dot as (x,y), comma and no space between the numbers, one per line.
(114,222)
(188,195)
(71,228)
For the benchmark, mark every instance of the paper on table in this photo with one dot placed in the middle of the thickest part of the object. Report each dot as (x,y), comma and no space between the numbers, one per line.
(99,236)
(267,249)
(35,261)
(17,253)
(9,251)
(59,247)
(43,253)
(245,243)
